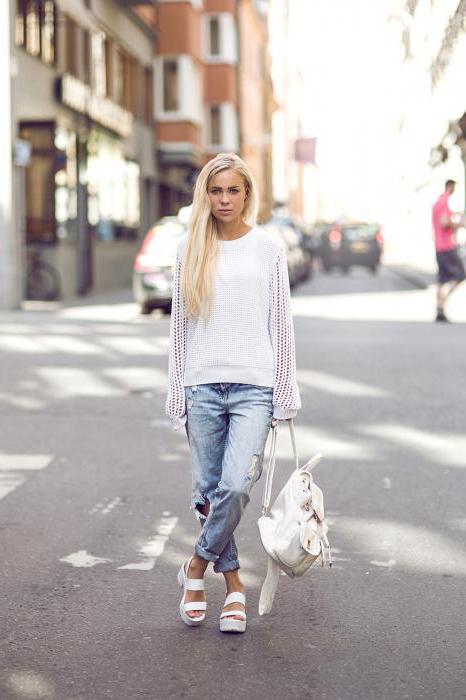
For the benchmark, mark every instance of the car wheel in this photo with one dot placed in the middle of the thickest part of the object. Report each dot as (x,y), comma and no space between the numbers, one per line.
(374,269)
(146,309)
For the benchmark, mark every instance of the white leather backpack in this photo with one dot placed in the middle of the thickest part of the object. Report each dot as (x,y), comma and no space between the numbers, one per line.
(293,530)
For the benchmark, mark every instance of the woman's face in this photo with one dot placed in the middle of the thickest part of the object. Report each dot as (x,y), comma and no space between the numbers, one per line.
(227,195)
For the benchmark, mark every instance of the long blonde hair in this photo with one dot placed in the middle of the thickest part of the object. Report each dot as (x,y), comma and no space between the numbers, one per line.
(200,255)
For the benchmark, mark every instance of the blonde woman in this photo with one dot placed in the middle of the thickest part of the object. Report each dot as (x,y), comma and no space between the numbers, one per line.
(231,369)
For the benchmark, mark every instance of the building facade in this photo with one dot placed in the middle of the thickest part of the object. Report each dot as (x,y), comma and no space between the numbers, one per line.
(429,44)
(82,95)
(115,106)
(212,93)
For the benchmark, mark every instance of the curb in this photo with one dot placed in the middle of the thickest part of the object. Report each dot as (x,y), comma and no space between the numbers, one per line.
(418,278)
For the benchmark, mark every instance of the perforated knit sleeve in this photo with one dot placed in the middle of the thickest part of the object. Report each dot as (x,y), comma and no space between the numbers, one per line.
(175,405)
(286,400)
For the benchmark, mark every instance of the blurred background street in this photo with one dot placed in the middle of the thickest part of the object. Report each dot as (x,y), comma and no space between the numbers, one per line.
(352,115)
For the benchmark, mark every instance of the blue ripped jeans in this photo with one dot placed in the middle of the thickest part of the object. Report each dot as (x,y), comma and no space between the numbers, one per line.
(227,427)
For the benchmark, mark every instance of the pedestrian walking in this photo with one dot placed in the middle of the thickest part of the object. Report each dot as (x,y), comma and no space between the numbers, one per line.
(232,369)
(450,266)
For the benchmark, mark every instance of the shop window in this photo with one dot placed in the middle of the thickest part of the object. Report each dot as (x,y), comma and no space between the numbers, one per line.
(66,183)
(71,46)
(128,83)
(110,68)
(98,64)
(117,76)
(86,57)
(48,32)
(35,28)
(170,86)
(148,95)
(113,189)
(215,124)
(20,23)
(40,183)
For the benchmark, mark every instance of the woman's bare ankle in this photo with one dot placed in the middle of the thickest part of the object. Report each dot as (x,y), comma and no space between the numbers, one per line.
(197,566)
(233,582)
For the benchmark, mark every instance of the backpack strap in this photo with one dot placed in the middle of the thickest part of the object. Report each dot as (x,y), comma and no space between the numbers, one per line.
(271,463)
(293,442)
(270,471)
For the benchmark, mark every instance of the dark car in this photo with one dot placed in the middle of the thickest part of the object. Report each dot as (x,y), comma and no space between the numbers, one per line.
(345,245)
(298,249)
(154,265)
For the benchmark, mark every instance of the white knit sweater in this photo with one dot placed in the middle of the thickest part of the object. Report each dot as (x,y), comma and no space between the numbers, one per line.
(249,336)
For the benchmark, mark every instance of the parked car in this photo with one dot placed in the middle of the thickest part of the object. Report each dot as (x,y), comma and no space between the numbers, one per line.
(154,265)
(299,237)
(274,229)
(345,245)
(298,258)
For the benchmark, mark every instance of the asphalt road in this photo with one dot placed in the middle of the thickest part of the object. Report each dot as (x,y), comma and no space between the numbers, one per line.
(94,518)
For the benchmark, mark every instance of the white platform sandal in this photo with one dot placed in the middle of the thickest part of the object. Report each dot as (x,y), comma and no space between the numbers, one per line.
(227,624)
(190,584)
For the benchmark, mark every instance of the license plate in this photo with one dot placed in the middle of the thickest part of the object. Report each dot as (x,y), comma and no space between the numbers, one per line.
(157,280)
(360,247)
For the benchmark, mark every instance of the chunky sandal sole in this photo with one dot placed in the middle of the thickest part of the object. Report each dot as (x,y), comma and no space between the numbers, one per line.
(232,626)
(227,621)
(183,582)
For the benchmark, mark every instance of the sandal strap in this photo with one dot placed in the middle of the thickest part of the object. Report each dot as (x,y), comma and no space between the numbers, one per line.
(235,597)
(234,613)
(195,606)
(194,584)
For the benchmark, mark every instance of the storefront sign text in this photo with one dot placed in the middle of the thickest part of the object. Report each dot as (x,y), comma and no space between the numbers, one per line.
(78,96)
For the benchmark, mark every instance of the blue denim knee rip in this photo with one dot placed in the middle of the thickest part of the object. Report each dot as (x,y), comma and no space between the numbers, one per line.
(227,427)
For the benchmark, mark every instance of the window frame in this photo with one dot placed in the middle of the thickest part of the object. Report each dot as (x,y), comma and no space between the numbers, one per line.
(227,38)
(21,39)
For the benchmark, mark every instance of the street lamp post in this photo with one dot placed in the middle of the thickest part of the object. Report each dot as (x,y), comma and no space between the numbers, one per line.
(10,245)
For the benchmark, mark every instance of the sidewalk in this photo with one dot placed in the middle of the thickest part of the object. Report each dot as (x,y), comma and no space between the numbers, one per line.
(419,277)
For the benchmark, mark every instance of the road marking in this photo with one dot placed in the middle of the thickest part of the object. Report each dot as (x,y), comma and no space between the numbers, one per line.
(105,508)
(387,482)
(153,548)
(457,524)
(84,559)
(13,468)
(385,564)
(338,386)
(160,423)
(9,483)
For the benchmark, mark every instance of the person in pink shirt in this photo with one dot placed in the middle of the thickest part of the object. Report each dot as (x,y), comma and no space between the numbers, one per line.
(450,266)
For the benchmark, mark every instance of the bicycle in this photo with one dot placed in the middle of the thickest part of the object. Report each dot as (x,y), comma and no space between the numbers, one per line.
(42,279)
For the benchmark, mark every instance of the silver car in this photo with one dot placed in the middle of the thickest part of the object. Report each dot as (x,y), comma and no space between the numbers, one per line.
(154,265)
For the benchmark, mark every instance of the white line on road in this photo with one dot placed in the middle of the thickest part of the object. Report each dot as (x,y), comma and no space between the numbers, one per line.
(150,550)
(105,507)
(26,462)
(13,468)
(386,564)
(337,385)
(153,548)
(387,482)
(84,559)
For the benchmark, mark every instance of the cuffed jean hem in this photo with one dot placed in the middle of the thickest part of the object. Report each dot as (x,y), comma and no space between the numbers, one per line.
(200,551)
(219,567)
(223,566)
